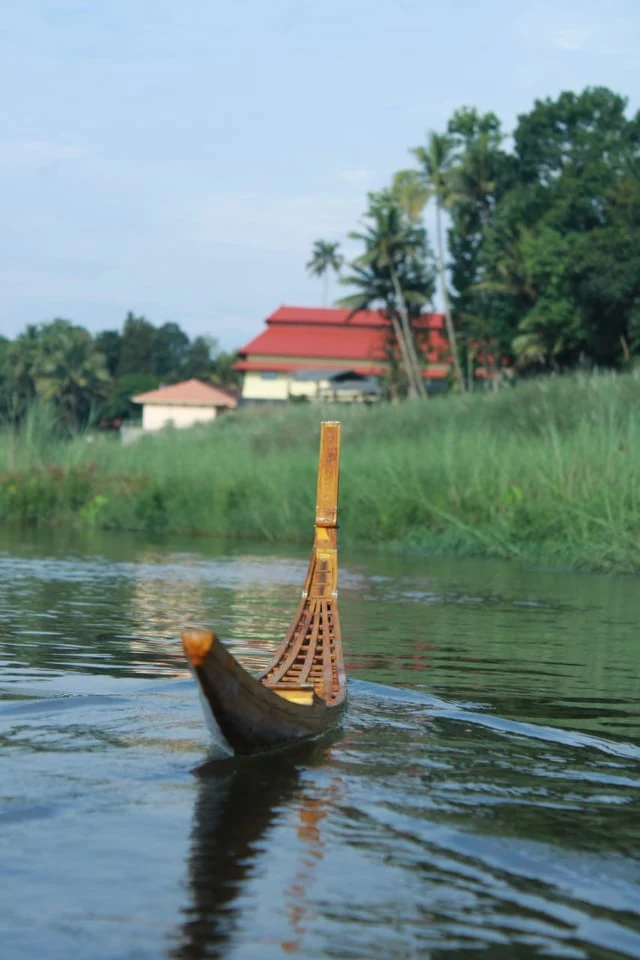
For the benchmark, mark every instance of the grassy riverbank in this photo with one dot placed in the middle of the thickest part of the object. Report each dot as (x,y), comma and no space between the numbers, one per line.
(548,471)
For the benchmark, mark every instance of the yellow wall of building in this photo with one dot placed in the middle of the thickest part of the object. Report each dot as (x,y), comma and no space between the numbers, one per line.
(281,386)
(304,388)
(256,388)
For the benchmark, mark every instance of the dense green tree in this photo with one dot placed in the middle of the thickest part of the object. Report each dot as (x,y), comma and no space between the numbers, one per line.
(109,343)
(58,363)
(551,329)
(199,360)
(583,135)
(543,240)
(169,350)
(325,257)
(480,174)
(136,346)
(18,388)
(119,405)
(575,206)
(4,343)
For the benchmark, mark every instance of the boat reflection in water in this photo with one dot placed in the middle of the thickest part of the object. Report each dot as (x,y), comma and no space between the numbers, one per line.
(239,804)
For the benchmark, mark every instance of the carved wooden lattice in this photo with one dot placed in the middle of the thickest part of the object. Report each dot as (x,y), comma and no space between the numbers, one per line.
(311,655)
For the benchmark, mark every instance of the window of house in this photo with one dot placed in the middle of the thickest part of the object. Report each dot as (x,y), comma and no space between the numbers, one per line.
(268,375)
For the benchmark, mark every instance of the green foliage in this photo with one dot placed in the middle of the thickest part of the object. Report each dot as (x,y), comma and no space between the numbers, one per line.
(393,273)
(548,470)
(223,374)
(543,239)
(392,243)
(119,404)
(410,192)
(199,359)
(169,349)
(579,195)
(136,346)
(477,178)
(46,494)
(434,161)
(325,257)
(59,364)
(109,343)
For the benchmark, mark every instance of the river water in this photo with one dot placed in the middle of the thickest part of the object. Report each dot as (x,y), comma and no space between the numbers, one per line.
(481,797)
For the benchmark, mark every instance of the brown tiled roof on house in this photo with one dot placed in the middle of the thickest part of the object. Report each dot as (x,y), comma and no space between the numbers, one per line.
(190,393)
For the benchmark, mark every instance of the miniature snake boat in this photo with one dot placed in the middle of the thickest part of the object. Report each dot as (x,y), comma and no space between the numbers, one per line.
(303,691)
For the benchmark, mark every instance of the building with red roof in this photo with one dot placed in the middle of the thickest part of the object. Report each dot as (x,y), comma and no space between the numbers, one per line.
(299,339)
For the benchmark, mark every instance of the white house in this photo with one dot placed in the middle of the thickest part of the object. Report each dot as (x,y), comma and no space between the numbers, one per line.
(182,404)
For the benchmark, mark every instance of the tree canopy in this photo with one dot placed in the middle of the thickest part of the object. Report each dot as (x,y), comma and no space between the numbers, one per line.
(543,244)
(89,378)
(541,268)
(58,363)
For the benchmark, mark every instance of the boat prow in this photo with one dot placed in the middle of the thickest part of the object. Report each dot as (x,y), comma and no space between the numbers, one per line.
(302,692)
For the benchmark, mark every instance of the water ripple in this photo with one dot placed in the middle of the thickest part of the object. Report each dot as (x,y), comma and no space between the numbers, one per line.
(482,794)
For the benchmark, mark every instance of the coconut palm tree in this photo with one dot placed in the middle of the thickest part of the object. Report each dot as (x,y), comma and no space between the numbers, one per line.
(410,193)
(435,160)
(392,270)
(325,257)
(473,180)
(374,290)
(60,364)
(70,371)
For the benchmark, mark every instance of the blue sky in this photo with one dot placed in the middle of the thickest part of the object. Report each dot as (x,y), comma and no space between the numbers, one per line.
(179,159)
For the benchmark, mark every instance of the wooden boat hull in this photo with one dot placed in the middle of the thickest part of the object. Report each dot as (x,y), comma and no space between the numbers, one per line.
(250,716)
(303,691)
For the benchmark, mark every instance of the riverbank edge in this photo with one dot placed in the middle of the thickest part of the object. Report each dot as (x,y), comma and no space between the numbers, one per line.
(477,545)
(547,473)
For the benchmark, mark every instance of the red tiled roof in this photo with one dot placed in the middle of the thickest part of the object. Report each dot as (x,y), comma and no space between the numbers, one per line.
(354,343)
(190,393)
(310,332)
(335,317)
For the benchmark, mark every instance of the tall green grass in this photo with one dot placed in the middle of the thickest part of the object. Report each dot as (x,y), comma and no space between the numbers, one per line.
(548,470)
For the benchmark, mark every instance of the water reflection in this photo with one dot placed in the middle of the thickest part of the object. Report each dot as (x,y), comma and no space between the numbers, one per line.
(65,612)
(237,805)
(310,812)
